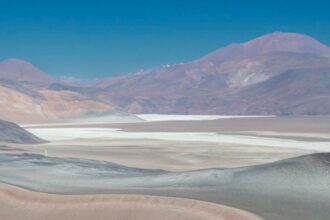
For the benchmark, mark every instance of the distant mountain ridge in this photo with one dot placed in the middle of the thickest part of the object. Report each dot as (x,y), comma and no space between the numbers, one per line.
(275,74)
(23,71)
(238,79)
(275,42)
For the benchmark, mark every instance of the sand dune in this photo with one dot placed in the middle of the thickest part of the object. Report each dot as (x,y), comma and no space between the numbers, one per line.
(292,189)
(18,204)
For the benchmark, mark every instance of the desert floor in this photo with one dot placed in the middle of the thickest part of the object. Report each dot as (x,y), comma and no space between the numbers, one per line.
(186,145)
(176,145)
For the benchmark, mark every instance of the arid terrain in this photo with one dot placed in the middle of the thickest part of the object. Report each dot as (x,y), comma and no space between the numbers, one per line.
(247,163)
(164,110)
(275,74)
(20,204)
(252,140)
(187,145)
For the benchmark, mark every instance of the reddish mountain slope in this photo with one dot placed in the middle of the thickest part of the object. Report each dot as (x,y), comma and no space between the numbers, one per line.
(26,97)
(227,80)
(22,71)
(277,41)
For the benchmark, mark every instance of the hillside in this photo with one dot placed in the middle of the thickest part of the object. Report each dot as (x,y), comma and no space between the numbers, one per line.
(280,73)
(12,133)
(29,95)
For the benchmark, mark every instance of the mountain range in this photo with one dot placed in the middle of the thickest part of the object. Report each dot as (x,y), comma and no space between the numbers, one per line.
(276,74)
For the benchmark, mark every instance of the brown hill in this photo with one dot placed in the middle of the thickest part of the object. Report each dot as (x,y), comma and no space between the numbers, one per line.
(27,97)
(24,72)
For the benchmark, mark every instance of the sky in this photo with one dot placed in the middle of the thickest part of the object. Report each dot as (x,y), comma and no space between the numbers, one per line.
(91,39)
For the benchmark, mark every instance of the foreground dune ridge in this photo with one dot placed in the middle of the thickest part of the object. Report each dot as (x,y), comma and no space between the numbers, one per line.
(295,188)
(17,204)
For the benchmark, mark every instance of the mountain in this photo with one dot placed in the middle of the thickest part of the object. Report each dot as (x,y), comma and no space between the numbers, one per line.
(49,106)
(24,72)
(279,73)
(12,133)
(28,95)
(277,41)
(276,74)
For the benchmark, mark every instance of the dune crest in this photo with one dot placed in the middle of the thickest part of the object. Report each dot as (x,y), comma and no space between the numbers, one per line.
(17,204)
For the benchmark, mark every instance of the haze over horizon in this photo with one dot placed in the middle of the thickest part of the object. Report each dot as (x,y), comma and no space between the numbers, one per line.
(100,38)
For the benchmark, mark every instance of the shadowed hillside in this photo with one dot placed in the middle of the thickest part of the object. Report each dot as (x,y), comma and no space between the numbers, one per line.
(10,132)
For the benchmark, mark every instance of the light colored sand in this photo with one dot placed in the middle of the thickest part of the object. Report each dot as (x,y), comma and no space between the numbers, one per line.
(163,117)
(18,204)
(113,119)
(168,155)
(187,145)
(61,134)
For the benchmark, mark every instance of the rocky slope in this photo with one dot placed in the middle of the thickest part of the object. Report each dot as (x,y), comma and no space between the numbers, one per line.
(280,73)
(28,95)
(276,74)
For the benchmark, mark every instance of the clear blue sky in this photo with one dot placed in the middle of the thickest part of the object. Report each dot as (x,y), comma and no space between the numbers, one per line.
(104,38)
